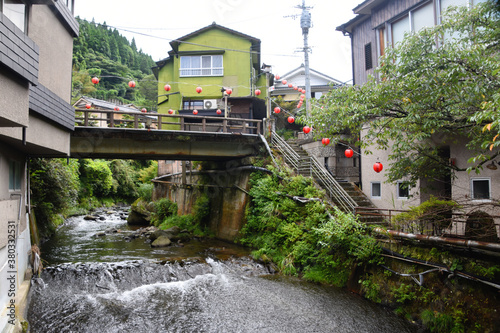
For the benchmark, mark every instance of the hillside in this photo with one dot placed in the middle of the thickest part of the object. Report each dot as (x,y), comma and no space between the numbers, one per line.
(101,51)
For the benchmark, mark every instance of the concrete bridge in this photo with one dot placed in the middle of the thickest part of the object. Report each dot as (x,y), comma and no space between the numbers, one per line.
(136,135)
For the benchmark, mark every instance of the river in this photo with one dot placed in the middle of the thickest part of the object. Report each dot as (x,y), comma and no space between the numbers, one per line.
(117,284)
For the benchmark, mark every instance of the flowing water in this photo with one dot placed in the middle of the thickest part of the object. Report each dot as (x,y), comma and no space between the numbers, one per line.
(114,283)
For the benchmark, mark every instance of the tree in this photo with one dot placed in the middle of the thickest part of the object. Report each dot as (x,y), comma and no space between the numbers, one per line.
(426,95)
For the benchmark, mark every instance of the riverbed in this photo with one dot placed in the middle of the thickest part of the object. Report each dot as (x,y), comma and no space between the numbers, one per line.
(113,283)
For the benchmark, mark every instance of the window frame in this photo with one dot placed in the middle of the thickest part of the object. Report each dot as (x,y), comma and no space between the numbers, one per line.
(24,28)
(15,176)
(380,190)
(399,188)
(475,179)
(214,71)
(193,104)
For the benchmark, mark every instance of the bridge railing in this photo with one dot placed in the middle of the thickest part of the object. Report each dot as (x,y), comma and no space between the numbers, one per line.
(151,121)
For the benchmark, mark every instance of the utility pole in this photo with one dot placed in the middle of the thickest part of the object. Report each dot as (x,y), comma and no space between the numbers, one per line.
(305,24)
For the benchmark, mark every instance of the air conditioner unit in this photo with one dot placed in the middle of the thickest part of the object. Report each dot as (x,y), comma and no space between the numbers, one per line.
(210,104)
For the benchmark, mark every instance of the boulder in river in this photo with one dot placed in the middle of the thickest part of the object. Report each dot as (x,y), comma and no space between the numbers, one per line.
(140,213)
(161,241)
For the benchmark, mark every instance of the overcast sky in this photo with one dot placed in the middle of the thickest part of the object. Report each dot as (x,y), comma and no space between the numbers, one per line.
(156,22)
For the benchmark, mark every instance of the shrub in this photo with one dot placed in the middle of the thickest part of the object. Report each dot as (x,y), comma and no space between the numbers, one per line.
(145,192)
(432,216)
(163,208)
(96,177)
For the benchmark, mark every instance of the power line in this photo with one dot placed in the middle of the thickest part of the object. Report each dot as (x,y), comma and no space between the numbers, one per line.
(190,43)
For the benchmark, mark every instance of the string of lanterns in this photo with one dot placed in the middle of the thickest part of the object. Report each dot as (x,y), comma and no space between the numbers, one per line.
(349,153)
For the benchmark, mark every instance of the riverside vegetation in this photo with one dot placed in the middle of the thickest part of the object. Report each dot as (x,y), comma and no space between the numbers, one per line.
(62,188)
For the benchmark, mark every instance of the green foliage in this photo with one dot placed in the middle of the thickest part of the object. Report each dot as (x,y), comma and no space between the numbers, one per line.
(371,290)
(96,177)
(103,52)
(433,213)
(149,173)
(163,208)
(405,292)
(124,179)
(436,94)
(145,192)
(299,237)
(196,222)
(347,232)
(440,322)
(54,188)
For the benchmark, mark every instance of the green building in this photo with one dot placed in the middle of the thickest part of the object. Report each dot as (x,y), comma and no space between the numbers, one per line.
(214,59)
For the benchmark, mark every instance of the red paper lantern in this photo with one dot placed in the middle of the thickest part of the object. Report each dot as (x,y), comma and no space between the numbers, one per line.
(299,105)
(277,77)
(378,167)
(88,105)
(219,111)
(229,91)
(117,108)
(302,96)
(257,92)
(325,141)
(95,80)
(195,112)
(300,89)
(199,90)
(170,111)
(283,82)
(295,88)
(144,110)
(277,109)
(306,129)
(167,87)
(291,119)
(131,84)
(290,85)
(349,153)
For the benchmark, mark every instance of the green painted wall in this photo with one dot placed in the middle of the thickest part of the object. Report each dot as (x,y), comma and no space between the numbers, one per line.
(237,70)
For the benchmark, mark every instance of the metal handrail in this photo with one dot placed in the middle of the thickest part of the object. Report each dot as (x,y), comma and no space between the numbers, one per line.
(315,170)
(290,155)
(332,186)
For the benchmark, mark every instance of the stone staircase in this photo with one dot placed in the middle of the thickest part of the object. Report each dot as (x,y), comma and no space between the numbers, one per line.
(364,207)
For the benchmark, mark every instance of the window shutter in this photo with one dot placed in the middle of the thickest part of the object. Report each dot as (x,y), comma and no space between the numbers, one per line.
(368,56)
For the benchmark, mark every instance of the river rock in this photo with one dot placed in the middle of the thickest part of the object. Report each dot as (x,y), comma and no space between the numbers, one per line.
(161,241)
(159,233)
(140,213)
(99,234)
(90,217)
(173,230)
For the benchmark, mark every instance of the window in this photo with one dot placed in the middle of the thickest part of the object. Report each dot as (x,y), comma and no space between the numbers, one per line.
(15,176)
(70,5)
(480,188)
(381,42)
(403,190)
(376,191)
(15,10)
(422,17)
(206,65)
(196,104)
(399,28)
(368,56)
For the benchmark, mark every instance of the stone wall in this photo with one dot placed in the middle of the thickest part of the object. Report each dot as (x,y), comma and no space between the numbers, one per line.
(227,193)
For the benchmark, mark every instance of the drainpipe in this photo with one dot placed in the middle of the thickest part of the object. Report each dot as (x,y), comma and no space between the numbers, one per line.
(441,240)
